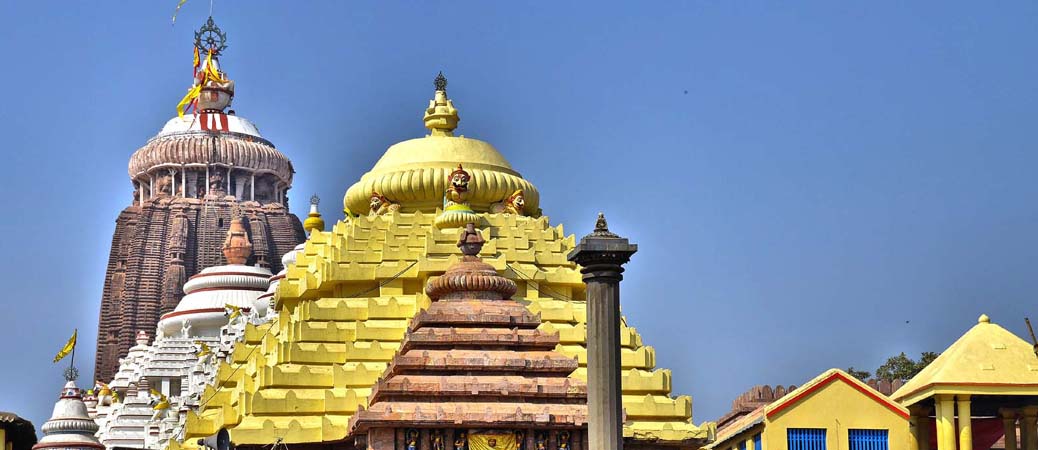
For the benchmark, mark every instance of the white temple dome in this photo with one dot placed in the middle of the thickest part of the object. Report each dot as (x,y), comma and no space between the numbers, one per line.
(70,426)
(203,307)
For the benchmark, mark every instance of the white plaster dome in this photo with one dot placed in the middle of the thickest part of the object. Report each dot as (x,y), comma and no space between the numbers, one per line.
(207,293)
(70,426)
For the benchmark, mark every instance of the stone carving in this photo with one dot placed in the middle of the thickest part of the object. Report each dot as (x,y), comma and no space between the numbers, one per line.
(216,184)
(461,441)
(457,193)
(563,440)
(163,185)
(380,205)
(541,440)
(513,204)
(437,440)
(412,440)
(160,404)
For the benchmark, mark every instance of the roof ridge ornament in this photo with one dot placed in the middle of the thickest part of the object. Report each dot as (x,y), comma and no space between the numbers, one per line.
(212,37)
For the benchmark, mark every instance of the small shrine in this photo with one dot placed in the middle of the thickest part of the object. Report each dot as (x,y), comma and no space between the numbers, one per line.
(474,372)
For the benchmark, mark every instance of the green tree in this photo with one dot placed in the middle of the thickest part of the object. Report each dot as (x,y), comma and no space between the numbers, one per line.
(901,367)
(862,375)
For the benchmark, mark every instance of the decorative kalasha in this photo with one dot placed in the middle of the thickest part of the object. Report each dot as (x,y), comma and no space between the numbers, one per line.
(380,205)
(185,182)
(474,369)
(513,204)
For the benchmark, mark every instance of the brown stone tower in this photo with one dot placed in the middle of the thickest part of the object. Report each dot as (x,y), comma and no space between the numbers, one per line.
(190,181)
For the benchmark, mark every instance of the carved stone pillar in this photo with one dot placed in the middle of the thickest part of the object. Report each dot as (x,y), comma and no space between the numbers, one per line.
(252,186)
(601,256)
(1009,427)
(1028,425)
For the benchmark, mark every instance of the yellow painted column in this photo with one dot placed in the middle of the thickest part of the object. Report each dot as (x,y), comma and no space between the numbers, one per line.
(919,428)
(1029,427)
(749,443)
(946,422)
(965,422)
(937,419)
(1009,427)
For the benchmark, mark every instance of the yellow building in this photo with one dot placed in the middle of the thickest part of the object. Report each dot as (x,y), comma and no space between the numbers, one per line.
(343,308)
(990,376)
(16,433)
(834,411)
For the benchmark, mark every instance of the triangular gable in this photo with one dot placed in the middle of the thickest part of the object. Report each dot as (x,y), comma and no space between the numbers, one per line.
(828,377)
(986,355)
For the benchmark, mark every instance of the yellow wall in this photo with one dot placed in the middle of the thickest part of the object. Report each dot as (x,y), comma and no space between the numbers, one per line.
(836,407)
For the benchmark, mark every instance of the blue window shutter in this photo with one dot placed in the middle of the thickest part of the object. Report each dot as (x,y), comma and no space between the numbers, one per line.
(868,439)
(756,442)
(806,438)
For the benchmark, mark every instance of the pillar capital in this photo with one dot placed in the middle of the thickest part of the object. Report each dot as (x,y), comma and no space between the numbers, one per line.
(1029,411)
(962,397)
(1007,413)
(919,410)
(602,253)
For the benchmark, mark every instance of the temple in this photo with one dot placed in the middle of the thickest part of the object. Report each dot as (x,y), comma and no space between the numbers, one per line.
(363,340)
(187,180)
(146,404)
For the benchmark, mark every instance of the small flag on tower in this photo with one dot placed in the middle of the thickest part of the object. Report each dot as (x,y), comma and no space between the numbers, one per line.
(69,346)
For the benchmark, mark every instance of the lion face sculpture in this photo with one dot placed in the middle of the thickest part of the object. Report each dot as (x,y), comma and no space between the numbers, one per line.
(517,200)
(460,179)
(377,200)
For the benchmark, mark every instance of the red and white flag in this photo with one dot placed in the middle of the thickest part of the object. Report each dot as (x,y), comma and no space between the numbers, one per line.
(213,121)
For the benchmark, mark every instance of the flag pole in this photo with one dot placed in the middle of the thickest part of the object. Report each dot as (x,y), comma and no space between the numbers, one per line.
(72,361)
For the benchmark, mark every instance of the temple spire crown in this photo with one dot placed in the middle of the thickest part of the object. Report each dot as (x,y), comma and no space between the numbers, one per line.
(441,117)
(314,221)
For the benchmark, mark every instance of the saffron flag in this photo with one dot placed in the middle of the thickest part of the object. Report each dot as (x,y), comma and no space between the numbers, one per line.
(69,346)
(192,94)
(179,4)
(488,441)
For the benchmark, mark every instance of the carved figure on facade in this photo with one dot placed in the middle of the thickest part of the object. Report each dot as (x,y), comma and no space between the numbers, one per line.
(564,440)
(159,403)
(412,440)
(457,193)
(541,440)
(216,184)
(437,440)
(513,204)
(163,185)
(381,205)
(461,441)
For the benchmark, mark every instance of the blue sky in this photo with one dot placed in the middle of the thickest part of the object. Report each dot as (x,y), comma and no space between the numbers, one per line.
(811,184)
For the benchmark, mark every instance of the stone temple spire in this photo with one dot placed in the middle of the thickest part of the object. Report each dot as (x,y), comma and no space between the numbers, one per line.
(186,180)
(441,117)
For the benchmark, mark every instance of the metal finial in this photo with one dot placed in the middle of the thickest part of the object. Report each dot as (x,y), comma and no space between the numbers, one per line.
(315,200)
(602,228)
(440,82)
(71,373)
(211,37)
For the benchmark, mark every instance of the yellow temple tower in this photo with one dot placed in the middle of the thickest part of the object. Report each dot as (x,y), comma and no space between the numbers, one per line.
(345,306)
